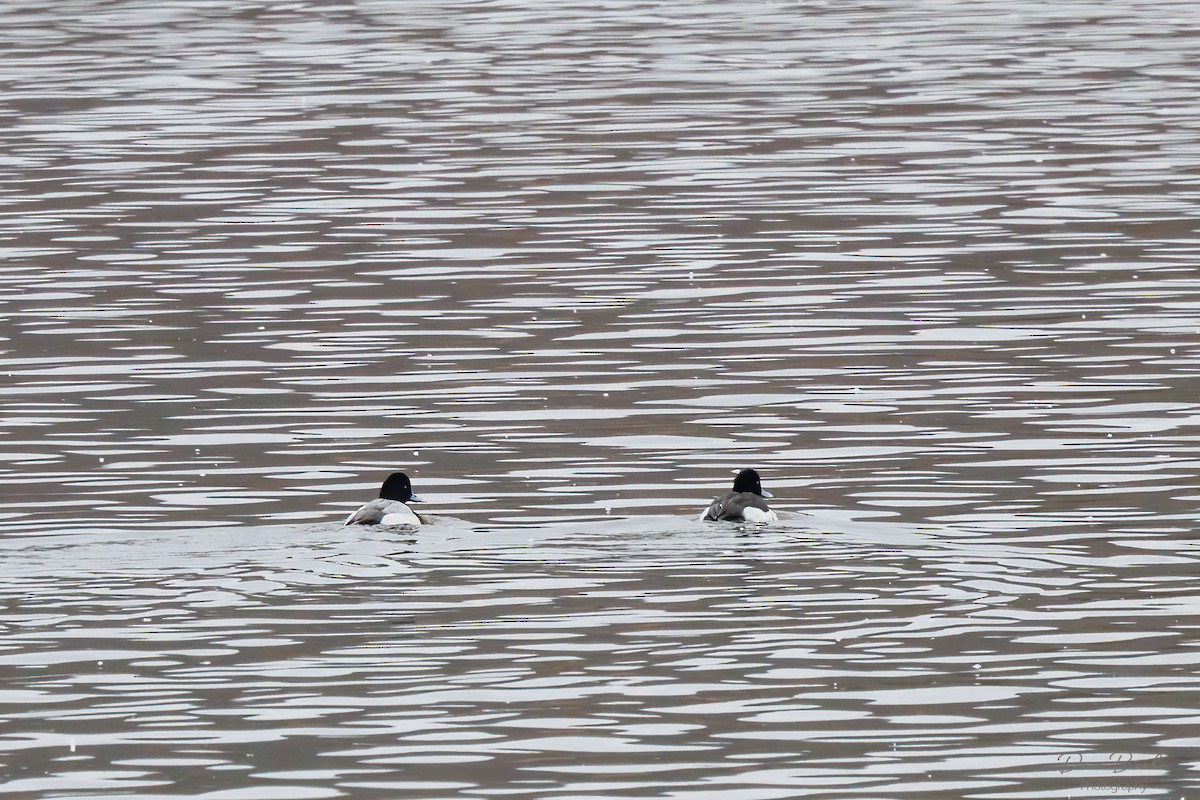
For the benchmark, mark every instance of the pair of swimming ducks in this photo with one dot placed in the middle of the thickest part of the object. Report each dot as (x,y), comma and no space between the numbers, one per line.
(746,503)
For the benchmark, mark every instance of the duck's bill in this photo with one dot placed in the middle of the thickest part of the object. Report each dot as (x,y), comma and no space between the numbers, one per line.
(767,494)
(416,498)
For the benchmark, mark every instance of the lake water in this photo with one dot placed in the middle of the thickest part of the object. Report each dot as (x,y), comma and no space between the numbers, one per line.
(931,267)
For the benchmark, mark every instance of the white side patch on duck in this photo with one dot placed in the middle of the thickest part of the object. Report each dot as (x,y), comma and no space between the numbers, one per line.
(402,516)
(752,514)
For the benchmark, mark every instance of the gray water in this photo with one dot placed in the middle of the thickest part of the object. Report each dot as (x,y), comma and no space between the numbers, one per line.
(930,267)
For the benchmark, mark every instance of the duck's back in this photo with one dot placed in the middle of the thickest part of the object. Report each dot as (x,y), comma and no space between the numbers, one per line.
(385,512)
(740,507)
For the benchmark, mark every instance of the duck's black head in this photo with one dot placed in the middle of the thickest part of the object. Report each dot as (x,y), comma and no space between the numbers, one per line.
(397,487)
(747,481)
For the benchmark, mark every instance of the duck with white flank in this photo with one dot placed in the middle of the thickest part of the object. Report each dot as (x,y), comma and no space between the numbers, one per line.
(746,503)
(391,507)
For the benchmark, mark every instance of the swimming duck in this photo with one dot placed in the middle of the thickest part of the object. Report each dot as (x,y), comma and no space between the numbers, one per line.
(390,508)
(744,504)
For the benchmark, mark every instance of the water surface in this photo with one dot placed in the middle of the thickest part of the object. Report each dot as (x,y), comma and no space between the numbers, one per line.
(930,267)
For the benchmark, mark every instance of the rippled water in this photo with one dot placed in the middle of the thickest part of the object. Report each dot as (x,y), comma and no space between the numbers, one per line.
(637,658)
(931,267)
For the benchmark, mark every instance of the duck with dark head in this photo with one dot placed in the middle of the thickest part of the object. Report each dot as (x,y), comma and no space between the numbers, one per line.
(391,507)
(746,503)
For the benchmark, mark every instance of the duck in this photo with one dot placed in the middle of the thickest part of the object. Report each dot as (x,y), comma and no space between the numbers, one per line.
(746,503)
(391,507)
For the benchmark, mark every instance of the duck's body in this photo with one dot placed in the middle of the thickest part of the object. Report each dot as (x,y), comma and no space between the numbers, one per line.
(391,507)
(384,512)
(746,503)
